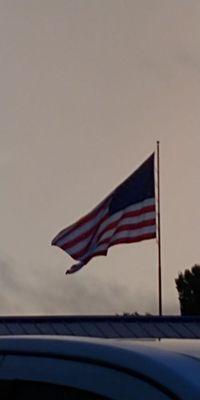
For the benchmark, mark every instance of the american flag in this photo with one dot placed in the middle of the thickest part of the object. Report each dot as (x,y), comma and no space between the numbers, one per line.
(127,215)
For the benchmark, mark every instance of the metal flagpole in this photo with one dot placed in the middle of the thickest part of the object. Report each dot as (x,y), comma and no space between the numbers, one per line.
(158,231)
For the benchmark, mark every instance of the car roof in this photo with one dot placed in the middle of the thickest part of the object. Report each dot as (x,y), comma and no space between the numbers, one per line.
(169,362)
(73,346)
(165,363)
(185,347)
(66,345)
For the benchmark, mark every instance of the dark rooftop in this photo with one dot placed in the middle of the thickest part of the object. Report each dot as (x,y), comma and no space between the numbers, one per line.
(103,326)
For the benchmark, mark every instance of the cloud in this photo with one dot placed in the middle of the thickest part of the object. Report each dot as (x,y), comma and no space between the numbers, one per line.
(35,293)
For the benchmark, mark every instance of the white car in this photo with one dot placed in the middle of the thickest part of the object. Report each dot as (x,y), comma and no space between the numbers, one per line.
(96,369)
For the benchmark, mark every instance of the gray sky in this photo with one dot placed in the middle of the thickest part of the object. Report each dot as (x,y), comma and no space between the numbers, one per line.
(87,87)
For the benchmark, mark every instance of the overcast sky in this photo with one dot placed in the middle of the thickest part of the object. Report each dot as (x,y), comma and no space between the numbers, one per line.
(87,87)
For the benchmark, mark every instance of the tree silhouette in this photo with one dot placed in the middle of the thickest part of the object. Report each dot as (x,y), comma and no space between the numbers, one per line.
(188,286)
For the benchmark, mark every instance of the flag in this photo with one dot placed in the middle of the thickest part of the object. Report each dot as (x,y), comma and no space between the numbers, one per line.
(127,215)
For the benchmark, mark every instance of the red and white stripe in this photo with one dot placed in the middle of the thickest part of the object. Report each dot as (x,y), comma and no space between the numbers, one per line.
(93,234)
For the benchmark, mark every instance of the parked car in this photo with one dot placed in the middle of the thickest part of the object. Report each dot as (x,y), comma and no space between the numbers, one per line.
(98,369)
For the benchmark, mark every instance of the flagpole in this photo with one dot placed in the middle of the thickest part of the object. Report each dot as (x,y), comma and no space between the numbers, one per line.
(159,232)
